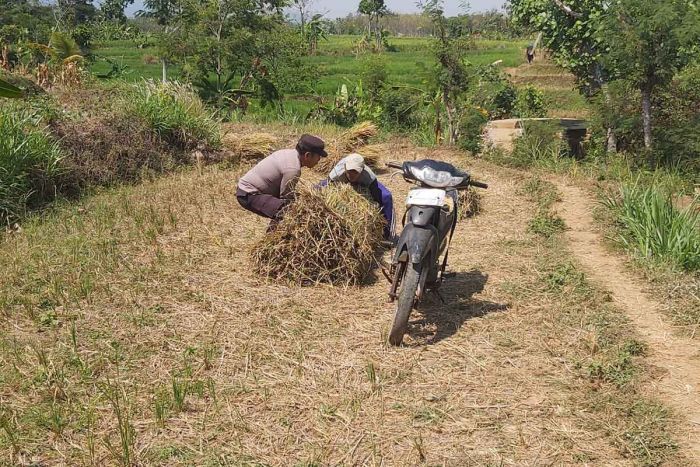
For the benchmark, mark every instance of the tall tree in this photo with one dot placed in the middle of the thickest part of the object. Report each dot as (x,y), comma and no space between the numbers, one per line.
(374,10)
(452,75)
(75,12)
(163,11)
(569,32)
(646,43)
(217,40)
(166,14)
(304,7)
(113,10)
(25,20)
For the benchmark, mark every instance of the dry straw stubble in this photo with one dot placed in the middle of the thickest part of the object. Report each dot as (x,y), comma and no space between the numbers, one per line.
(326,236)
(251,146)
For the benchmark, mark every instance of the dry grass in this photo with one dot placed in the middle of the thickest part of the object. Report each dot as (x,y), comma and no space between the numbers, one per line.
(111,149)
(327,236)
(469,203)
(133,330)
(250,146)
(356,137)
(375,154)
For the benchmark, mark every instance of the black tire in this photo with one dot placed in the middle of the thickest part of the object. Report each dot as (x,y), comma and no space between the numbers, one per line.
(407,297)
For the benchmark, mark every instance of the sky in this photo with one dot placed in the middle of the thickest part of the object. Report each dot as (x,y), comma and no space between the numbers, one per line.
(337,8)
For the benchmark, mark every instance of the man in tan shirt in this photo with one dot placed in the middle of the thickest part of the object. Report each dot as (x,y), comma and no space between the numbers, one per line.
(268,186)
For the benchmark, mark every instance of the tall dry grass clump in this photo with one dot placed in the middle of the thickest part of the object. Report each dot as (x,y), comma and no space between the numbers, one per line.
(251,146)
(349,141)
(326,236)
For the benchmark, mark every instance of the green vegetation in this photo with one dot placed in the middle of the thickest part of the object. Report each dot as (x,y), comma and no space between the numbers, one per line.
(61,145)
(176,113)
(653,228)
(545,223)
(29,162)
(334,64)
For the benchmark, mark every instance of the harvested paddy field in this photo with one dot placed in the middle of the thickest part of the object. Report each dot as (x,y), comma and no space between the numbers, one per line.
(135,332)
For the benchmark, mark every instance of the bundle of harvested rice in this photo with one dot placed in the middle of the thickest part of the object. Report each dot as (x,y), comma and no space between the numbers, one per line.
(348,142)
(469,203)
(357,136)
(251,146)
(326,236)
(374,154)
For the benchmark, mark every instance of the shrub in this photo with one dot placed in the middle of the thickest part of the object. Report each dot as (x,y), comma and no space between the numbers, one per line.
(503,102)
(539,143)
(653,228)
(107,149)
(677,123)
(471,127)
(176,113)
(374,76)
(530,103)
(493,92)
(29,162)
(399,108)
(344,111)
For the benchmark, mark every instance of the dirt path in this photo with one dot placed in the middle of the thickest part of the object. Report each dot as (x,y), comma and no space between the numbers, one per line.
(679,358)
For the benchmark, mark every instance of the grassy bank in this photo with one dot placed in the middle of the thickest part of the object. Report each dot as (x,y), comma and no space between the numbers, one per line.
(71,140)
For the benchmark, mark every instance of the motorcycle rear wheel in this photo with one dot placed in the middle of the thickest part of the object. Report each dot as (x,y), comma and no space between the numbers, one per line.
(407,297)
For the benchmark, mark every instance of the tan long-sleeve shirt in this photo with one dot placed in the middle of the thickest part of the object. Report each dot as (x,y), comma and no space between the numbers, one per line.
(276,175)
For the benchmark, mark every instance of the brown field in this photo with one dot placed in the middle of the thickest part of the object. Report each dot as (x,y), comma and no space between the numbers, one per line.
(135,333)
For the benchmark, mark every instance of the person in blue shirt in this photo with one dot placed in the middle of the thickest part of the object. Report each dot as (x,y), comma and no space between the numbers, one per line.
(353,170)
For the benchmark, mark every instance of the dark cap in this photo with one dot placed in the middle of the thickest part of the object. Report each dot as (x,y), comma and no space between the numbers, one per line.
(312,144)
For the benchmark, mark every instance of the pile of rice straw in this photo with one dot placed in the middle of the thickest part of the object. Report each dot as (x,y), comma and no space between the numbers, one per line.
(251,146)
(326,236)
(348,142)
(374,154)
(469,203)
(357,136)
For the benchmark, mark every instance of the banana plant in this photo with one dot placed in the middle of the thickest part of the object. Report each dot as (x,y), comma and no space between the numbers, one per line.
(9,91)
(315,31)
(61,48)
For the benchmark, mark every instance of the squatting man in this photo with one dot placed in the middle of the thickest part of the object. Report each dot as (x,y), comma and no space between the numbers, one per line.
(269,186)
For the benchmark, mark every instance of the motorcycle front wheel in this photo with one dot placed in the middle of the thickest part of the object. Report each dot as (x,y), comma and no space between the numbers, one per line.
(407,297)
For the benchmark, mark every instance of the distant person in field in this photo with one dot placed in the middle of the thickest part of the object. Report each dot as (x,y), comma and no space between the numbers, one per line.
(269,186)
(353,170)
(530,53)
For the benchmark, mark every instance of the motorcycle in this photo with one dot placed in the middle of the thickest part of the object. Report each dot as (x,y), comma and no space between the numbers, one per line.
(428,225)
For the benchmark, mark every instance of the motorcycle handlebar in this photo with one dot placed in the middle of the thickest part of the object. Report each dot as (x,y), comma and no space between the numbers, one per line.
(478,184)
